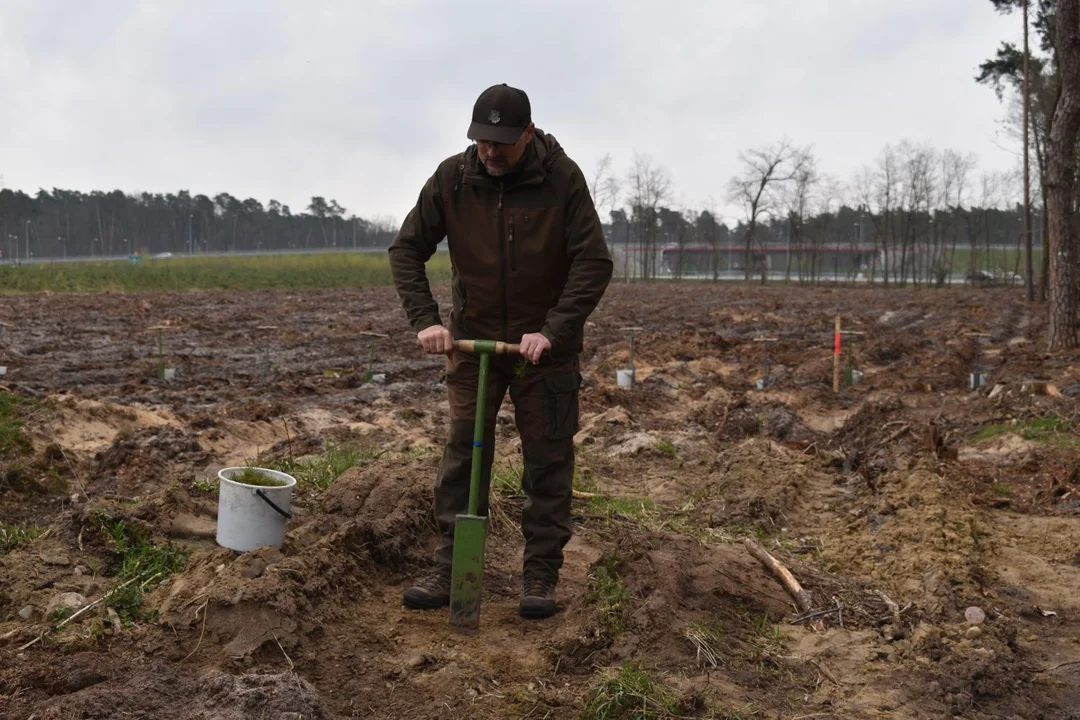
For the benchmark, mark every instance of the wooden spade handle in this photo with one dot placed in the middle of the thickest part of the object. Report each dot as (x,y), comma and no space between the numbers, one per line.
(489,346)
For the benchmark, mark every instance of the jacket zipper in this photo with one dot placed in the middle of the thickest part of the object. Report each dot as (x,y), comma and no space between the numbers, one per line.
(513,255)
(502,270)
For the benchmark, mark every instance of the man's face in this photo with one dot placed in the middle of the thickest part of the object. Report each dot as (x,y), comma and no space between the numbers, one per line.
(501,158)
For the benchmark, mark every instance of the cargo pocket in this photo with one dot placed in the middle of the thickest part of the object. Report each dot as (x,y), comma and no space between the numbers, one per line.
(561,405)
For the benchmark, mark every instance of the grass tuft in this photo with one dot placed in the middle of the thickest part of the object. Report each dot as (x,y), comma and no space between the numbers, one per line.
(17,535)
(1051,429)
(630,692)
(136,554)
(506,480)
(316,473)
(607,591)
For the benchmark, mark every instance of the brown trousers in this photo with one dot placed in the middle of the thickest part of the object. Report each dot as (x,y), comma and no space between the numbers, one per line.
(545,398)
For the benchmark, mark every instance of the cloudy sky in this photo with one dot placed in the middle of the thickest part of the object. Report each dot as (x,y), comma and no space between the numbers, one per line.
(358,100)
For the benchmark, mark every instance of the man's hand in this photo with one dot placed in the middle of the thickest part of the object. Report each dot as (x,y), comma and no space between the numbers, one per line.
(435,340)
(533,345)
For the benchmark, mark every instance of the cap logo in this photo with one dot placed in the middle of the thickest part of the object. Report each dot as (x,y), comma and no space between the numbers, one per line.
(494,117)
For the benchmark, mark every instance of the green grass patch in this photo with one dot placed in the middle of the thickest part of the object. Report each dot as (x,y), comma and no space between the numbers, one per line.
(205,484)
(607,591)
(632,693)
(506,479)
(316,473)
(1050,429)
(666,447)
(17,535)
(236,272)
(128,603)
(13,411)
(136,554)
(138,560)
(764,628)
(625,507)
(1001,489)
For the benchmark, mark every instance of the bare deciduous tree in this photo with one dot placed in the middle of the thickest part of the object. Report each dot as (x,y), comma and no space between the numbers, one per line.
(649,185)
(796,197)
(955,172)
(754,188)
(605,186)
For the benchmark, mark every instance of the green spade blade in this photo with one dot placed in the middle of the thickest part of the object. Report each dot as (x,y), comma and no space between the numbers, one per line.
(466,580)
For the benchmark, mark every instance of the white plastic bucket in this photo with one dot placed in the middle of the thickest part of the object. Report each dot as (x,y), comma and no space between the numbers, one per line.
(3,370)
(625,378)
(246,518)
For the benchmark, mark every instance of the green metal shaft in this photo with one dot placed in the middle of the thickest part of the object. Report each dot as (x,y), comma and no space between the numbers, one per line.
(478,429)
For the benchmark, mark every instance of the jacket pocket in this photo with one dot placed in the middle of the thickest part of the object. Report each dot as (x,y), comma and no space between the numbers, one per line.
(461,301)
(561,405)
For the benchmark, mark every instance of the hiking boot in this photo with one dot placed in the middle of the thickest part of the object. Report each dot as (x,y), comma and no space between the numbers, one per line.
(538,600)
(430,592)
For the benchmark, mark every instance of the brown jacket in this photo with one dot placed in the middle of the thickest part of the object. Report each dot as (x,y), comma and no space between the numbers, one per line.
(527,250)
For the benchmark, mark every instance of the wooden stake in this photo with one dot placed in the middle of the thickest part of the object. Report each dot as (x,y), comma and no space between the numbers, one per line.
(802,597)
(836,358)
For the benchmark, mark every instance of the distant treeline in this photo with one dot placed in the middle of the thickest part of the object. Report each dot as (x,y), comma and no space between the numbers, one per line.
(66,223)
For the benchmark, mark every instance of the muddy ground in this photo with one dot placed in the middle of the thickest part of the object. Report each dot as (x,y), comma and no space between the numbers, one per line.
(899,503)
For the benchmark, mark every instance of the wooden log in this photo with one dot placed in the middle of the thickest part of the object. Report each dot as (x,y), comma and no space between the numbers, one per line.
(801,596)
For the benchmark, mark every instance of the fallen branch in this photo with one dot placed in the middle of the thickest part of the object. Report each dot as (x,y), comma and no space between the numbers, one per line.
(802,597)
(79,612)
(896,434)
(819,613)
(582,494)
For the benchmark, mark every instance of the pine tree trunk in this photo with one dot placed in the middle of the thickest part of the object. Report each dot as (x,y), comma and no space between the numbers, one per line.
(1061,181)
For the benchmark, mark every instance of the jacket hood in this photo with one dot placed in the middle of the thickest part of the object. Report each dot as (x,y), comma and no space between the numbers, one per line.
(544,151)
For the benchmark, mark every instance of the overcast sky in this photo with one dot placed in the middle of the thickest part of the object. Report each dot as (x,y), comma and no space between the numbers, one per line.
(359,100)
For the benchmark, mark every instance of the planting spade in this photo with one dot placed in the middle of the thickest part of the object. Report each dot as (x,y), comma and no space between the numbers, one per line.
(470,530)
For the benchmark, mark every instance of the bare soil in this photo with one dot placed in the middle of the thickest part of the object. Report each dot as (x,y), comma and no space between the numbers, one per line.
(907,488)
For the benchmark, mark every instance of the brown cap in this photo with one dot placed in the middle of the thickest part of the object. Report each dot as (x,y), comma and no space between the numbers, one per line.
(500,114)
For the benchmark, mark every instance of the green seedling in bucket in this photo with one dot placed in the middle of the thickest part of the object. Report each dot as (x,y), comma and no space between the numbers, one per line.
(470,530)
(252,476)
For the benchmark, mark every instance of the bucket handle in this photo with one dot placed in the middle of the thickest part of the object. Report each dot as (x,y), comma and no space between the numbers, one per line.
(284,513)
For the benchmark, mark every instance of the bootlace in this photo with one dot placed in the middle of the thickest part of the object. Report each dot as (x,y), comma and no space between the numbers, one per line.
(537,587)
(437,579)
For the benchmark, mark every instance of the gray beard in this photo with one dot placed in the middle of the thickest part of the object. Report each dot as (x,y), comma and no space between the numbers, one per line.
(496,173)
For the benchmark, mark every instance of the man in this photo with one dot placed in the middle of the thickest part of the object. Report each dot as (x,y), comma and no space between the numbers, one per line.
(529,265)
